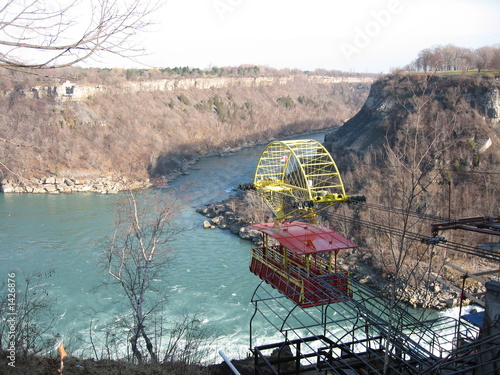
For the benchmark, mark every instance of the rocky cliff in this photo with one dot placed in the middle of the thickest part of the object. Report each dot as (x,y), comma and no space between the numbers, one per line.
(422,148)
(471,106)
(154,128)
(74,91)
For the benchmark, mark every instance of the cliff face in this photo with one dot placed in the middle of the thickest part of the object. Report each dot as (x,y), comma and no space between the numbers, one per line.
(421,149)
(78,92)
(146,129)
(470,107)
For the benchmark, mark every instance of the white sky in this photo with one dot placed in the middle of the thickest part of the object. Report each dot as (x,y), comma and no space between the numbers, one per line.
(357,35)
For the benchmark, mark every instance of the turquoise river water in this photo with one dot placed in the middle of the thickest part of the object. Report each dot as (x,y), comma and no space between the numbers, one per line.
(209,273)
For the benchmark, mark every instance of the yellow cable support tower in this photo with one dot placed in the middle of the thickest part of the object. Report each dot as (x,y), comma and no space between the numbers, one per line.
(299,178)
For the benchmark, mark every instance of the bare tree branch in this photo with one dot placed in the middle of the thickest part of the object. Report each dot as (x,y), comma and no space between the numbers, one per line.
(138,252)
(38,35)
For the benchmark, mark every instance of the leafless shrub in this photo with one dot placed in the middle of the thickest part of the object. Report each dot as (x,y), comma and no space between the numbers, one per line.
(28,315)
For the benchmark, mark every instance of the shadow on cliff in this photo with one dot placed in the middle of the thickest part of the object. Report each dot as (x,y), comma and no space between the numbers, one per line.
(178,160)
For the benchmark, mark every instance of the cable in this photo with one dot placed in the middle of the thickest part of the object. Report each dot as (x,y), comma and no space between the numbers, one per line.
(482,253)
(399,210)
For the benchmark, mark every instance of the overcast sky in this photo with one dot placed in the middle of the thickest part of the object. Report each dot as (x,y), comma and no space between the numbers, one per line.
(357,35)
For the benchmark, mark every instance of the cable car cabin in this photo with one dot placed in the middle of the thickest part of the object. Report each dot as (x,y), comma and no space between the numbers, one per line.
(303,265)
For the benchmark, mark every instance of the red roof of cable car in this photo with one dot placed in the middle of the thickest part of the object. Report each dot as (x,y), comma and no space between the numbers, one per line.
(305,238)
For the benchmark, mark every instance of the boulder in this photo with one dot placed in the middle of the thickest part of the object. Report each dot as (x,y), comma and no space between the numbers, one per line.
(250,234)
(49,188)
(6,187)
(217,220)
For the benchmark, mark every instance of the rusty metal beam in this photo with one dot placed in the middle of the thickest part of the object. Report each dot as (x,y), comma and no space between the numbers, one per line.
(480,224)
(466,273)
(487,272)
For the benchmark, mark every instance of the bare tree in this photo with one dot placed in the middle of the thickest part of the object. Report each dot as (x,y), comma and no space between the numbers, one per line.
(26,310)
(423,61)
(451,57)
(465,59)
(189,341)
(46,34)
(485,57)
(254,209)
(449,53)
(407,189)
(138,253)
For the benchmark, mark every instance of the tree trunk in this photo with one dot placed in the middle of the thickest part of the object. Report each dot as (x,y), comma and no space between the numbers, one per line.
(133,343)
(149,345)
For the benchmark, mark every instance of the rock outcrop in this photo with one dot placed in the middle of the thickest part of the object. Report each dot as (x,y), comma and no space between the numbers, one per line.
(56,185)
(392,99)
(72,91)
(222,216)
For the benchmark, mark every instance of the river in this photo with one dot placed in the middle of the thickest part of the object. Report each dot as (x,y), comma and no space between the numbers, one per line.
(209,273)
(208,276)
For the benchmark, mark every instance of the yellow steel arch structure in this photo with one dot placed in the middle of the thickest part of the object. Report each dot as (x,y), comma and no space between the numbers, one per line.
(298,178)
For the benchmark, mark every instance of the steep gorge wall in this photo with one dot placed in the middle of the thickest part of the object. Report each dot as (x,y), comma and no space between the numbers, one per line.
(72,91)
(149,130)
(474,105)
(435,137)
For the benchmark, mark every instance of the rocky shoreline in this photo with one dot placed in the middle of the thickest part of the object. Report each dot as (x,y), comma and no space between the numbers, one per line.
(88,182)
(56,185)
(435,295)
(75,181)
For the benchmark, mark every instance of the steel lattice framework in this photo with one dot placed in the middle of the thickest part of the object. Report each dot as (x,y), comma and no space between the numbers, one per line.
(363,334)
(298,178)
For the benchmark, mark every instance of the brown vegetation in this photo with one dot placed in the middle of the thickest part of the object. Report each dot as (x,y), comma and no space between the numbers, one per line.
(146,133)
(38,365)
(444,120)
(422,165)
